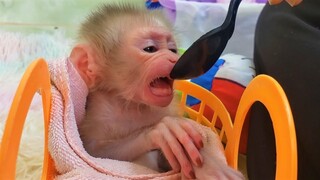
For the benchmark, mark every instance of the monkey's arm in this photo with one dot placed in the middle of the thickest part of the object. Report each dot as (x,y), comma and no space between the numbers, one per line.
(175,137)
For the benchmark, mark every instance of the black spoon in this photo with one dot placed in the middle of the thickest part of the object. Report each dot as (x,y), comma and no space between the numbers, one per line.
(205,51)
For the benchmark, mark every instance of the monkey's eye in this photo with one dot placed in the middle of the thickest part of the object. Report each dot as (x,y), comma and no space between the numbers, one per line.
(174,50)
(150,49)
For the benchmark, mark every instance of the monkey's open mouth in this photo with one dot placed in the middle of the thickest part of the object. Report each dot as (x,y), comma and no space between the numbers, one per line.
(161,86)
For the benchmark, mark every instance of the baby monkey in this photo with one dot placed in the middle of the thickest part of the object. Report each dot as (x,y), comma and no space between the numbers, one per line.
(125,55)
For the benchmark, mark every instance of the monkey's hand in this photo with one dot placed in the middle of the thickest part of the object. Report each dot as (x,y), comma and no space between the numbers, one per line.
(214,161)
(215,167)
(179,141)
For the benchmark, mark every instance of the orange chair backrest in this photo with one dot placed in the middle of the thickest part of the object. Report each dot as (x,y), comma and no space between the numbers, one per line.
(35,79)
(266,90)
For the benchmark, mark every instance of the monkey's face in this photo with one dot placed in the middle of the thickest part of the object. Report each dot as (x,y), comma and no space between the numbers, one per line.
(147,56)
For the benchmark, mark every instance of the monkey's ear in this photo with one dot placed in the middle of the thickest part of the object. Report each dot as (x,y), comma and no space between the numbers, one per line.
(82,58)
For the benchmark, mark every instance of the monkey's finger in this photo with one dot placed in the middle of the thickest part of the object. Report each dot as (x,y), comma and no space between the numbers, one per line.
(186,141)
(166,150)
(159,141)
(193,133)
(178,151)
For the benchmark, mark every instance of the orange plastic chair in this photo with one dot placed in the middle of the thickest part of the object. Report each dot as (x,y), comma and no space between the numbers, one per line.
(264,89)
(35,79)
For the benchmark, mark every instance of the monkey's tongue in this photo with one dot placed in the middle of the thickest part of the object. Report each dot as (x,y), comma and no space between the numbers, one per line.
(161,87)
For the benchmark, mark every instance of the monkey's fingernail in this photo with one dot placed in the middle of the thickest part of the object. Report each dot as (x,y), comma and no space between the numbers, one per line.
(201,144)
(199,162)
(192,175)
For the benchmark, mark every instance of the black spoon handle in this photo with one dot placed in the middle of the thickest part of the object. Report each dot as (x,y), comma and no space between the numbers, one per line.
(229,22)
(231,15)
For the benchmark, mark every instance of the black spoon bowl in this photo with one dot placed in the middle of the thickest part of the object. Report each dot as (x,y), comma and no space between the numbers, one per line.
(205,51)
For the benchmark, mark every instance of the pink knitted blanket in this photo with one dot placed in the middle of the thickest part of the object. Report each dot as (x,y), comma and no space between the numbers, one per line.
(69,94)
